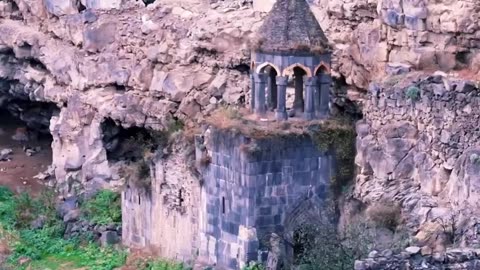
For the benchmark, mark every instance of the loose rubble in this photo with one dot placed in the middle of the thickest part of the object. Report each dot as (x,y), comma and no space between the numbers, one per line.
(459,259)
(5,154)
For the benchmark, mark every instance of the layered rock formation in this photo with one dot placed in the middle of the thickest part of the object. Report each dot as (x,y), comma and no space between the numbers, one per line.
(149,66)
(372,35)
(140,67)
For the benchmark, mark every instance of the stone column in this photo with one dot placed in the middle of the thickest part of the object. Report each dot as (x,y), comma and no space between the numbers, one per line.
(310,85)
(324,95)
(252,92)
(282,97)
(271,90)
(260,84)
(298,102)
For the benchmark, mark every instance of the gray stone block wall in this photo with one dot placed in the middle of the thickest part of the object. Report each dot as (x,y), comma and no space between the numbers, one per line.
(256,186)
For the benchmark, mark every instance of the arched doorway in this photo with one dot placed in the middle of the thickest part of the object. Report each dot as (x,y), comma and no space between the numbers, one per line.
(296,74)
(271,93)
(299,227)
(322,91)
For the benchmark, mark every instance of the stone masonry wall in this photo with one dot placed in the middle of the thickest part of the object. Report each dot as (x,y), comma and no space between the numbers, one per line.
(418,145)
(255,187)
(165,218)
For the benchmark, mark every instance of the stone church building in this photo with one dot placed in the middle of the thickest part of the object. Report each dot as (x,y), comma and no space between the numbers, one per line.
(252,187)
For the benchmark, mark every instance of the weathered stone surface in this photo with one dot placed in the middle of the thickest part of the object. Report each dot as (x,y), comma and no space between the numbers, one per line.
(103,4)
(60,7)
(72,215)
(109,238)
(5,154)
(461,259)
(417,146)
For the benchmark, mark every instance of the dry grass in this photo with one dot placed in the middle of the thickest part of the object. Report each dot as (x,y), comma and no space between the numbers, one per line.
(385,214)
(241,121)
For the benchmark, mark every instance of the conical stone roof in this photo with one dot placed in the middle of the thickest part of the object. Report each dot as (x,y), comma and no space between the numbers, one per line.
(291,27)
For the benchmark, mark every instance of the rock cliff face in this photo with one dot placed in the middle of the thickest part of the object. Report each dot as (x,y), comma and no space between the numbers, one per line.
(376,37)
(144,66)
(150,66)
(139,66)
(418,145)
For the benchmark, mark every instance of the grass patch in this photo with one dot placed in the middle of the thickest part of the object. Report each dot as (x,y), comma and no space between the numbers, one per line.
(45,248)
(104,208)
(158,264)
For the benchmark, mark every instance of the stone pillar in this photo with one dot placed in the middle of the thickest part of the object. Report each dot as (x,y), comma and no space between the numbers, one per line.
(271,90)
(252,92)
(310,85)
(324,95)
(298,102)
(260,84)
(282,97)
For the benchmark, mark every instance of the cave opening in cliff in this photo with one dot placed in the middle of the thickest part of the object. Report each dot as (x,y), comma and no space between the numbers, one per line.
(243,68)
(129,144)
(25,142)
(462,60)
(148,2)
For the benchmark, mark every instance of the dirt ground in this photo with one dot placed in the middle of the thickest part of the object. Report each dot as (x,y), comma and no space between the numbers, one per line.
(18,173)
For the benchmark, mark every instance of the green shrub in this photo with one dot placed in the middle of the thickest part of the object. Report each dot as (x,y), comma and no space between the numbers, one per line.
(164,265)
(254,266)
(321,246)
(7,207)
(341,140)
(413,93)
(104,208)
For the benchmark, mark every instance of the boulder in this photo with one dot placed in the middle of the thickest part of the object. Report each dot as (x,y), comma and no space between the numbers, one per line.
(5,154)
(38,223)
(72,216)
(263,5)
(413,250)
(103,4)
(109,238)
(174,85)
(61,7)
(97,38)
(463,187)
(67,205)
